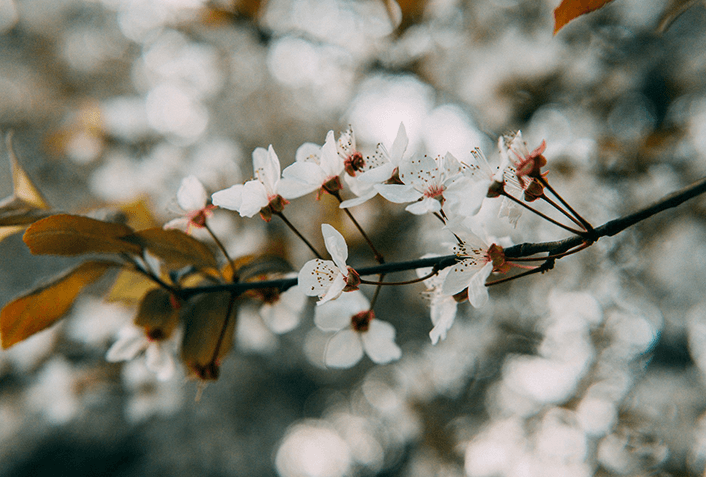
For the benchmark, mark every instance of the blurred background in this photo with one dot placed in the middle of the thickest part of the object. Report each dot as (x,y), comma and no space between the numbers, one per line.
(596,368)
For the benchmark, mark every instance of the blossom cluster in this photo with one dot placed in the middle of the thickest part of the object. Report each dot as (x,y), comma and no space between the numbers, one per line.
(453,190)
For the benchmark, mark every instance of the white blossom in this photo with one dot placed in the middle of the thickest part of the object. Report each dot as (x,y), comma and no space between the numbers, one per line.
(357,331)
(316,168)
(442,307)
(430,183)
(193,201)
(472,270)
(255,195)
(283,314)
(132,341)
(381,167)
(325,278)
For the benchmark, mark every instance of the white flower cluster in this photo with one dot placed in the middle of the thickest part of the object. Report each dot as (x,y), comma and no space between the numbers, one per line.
(452,190)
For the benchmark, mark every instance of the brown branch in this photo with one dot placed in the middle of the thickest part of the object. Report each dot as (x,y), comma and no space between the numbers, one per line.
(558,247)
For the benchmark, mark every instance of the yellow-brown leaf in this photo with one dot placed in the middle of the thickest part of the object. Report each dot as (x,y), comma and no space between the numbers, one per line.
(39,309)
(174,247)
(570,9)
(157,314)
(23,186)
(130,287)
(65,234)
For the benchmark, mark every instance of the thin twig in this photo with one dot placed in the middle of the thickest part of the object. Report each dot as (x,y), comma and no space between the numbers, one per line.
(294,229)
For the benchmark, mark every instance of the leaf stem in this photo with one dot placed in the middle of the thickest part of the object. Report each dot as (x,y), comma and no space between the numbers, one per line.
(584,222)
(223,250)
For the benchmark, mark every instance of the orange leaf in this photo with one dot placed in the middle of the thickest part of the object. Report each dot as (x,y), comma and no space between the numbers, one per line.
(570,9)
(174,247)
(65,234)
(29,314)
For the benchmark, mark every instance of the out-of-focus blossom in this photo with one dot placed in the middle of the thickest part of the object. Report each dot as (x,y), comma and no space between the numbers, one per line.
(325,278)
(316,168)
(193,200)
(282,312)
(258,195)
(133,340)
(357,331)
(442,307)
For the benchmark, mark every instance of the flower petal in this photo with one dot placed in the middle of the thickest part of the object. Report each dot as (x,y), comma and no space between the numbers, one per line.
(334,291)
(424,206)
(460,275)
(336,315)
(230,198)
(308,152)
(159,361)
(343,349)
(477,291)
(399,146)
(443,314)
(316,276)
(421,173)
(398,193)
(180,223)
(191,195)
(266,168)
(379,342)
(130,342)
(300,179)
(336,246)
(254,198)
(330,161)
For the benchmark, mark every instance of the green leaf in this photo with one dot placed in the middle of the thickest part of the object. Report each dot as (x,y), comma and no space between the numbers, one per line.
(41,308)
(65,234)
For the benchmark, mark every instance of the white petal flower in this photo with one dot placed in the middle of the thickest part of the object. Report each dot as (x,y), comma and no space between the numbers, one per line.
(193,201)
(430,182)
(132,341)
(283,314)
(315,169)
(255,195)
(373,170)
(471,271)
(357,331)
(325,278)
(192,195)
(443,307)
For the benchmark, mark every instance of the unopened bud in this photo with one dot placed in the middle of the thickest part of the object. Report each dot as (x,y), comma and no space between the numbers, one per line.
(352,280)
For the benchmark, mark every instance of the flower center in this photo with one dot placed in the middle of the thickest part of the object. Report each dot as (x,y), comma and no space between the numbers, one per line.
(435,192)
(354,163)
(361,321)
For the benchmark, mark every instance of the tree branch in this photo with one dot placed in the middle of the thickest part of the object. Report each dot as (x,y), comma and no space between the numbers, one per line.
(609,229)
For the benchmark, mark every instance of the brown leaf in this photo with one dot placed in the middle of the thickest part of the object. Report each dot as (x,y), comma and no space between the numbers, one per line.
(204,323)
(24,188)
(129,287)
(158,314)
(174,247)
(65,234)
(570,9)
(14,211)
(39,309)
